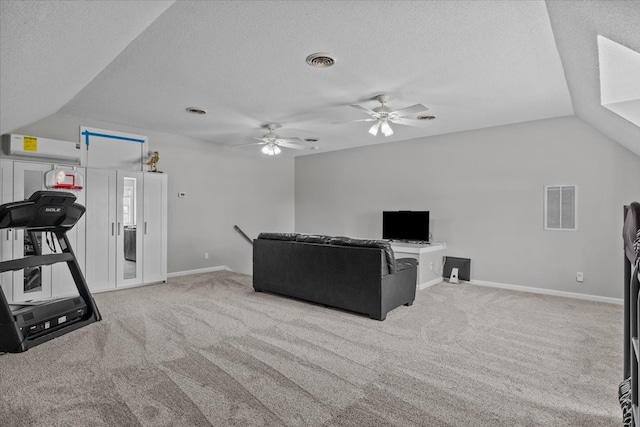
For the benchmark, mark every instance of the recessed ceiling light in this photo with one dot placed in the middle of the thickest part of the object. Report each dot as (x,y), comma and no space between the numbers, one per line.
(426,117)
(196,110)
(320,60)
(311,139)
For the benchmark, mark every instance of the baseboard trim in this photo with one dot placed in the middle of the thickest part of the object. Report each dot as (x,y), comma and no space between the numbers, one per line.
(565,294)
(198,271)
(429,284)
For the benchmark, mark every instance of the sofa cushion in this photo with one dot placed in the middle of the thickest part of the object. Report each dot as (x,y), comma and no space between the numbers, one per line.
(278,236)
(362,243)
(313,238)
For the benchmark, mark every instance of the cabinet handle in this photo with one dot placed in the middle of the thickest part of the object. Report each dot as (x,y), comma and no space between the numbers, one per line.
(113,228)
(8,234)
(118,228)
(15,235)
(145,227)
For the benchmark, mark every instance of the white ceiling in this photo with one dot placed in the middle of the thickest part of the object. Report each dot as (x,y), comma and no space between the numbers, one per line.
(475,64)
(576,26)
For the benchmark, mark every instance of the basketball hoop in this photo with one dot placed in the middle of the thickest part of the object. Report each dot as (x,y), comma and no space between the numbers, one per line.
(63,180)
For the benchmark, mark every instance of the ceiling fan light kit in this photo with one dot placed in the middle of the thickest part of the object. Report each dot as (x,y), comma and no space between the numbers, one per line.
(271,150)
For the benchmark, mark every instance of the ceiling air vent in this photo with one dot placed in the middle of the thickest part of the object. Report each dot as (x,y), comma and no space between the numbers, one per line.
(320,60)
(196,110)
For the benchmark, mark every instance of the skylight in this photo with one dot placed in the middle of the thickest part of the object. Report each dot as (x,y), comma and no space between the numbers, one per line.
(619,79)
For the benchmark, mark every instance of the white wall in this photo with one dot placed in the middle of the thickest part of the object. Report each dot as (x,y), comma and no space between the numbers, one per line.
(225,186)
(484,189)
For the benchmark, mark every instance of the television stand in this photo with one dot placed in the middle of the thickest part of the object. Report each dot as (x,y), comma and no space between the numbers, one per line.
(411,242)
(427,254)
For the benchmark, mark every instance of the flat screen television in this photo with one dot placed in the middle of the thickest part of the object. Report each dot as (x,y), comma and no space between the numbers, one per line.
(411,226)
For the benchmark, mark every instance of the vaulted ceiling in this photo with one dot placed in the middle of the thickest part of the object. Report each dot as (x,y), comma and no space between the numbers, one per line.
(474,64)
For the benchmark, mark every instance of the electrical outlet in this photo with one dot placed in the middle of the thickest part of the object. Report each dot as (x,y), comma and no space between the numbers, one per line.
(579,276)
(206,255)
(182,194)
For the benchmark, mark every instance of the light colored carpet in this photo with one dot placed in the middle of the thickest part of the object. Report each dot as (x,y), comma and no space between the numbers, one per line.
(207,350)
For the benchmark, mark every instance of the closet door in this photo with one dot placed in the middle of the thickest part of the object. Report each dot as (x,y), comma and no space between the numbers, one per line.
(32,283)
(100,271)
(155,228)
(129,228)
(6,235)
(62,283)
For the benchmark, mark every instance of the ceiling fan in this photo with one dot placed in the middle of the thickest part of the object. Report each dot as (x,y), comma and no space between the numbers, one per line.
(273,142)
(383,116)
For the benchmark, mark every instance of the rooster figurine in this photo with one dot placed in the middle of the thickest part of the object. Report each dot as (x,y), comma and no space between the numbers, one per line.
(153,162)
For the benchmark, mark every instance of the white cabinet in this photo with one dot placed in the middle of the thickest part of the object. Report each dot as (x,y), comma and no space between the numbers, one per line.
(129,223)
(6,236)
(155,228)
(19,181)
(101,229)
(126,228)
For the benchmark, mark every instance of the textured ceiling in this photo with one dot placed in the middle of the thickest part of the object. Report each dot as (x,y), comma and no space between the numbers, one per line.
(576,26)
(474,64)
(50,50)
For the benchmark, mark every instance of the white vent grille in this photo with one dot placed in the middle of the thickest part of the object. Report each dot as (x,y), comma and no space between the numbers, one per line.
(320,60)
(561,207)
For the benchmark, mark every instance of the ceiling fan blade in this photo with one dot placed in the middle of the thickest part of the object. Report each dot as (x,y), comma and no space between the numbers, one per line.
(247,144)
(292,140)
(290,145)
(407,122)
(353,121)
(414,109)
(360,107)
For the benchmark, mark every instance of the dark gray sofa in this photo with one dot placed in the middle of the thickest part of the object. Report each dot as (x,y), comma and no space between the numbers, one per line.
(351,274)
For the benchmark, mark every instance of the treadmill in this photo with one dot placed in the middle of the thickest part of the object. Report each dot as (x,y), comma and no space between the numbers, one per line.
(27,324)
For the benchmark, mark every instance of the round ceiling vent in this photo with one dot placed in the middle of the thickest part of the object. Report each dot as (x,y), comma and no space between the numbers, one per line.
(320,60)
(196,110)
(426,117)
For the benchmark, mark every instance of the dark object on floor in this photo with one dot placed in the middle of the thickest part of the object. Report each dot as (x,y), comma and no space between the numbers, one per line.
(26,325)
(624,397)
(630,233)
(351,274)
(462,264)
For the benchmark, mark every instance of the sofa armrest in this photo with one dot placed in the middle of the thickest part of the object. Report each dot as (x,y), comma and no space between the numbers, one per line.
(405,263)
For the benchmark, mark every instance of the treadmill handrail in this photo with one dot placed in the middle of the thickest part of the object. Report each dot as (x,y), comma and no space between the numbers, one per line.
(34,261)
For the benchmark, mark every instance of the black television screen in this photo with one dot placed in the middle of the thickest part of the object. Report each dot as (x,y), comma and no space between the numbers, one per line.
(405,225)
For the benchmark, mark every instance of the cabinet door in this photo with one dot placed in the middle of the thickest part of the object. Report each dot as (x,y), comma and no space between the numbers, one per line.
(62,283)
(129,226)
(31,283)
(155,228)
(6,236)
(100,222)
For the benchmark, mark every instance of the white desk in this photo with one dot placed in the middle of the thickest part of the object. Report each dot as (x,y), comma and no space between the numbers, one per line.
(429,257)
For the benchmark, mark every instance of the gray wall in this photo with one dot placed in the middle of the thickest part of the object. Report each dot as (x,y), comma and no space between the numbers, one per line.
(224,185)
(484,189)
